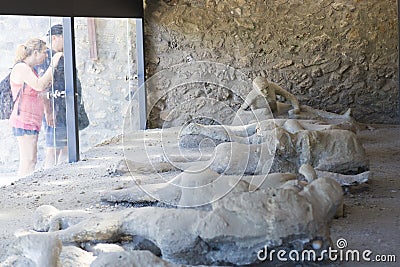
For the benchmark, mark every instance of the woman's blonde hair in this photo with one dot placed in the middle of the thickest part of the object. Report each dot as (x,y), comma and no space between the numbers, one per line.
(25,50)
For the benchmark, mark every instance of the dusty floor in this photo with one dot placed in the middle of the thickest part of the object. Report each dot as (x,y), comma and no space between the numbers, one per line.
(372,214)
(372,211)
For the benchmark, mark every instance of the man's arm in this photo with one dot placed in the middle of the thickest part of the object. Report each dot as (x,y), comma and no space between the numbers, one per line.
(250,99)
(288,96)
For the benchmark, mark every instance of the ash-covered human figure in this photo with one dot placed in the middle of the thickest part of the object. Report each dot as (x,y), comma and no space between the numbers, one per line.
(265,92)
(264,88)
(220,234)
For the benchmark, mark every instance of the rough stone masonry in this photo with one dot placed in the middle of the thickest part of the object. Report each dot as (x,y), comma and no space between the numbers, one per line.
(332,54)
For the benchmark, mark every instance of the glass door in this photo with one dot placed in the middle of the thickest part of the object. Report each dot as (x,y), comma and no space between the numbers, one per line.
(106,68)
(106,78)
(25,46)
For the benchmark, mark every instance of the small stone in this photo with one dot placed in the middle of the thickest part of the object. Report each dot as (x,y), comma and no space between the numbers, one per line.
(316,244)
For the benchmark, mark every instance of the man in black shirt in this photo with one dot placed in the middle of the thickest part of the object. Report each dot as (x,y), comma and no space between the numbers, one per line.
(55,119)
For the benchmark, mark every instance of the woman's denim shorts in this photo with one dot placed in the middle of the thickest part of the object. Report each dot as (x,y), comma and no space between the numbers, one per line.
(21,132)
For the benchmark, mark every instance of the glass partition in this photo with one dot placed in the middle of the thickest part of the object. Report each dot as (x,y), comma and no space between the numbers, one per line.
(106,72)
(107,77)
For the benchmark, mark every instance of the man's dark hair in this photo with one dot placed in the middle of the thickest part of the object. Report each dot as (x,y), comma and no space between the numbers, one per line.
(55,30)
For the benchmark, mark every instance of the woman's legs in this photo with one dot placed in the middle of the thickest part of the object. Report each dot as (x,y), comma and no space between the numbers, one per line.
(27,153)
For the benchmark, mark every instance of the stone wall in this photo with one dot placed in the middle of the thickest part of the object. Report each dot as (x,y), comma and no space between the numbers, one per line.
(332,54)
(105,83)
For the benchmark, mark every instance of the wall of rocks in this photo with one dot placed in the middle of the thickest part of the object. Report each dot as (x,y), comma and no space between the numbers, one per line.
(332,54)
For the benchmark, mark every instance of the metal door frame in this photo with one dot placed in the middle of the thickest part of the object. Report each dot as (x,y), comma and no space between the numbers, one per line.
(85,8)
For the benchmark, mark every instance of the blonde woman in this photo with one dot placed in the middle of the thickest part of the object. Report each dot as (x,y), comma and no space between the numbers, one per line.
(27,115)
